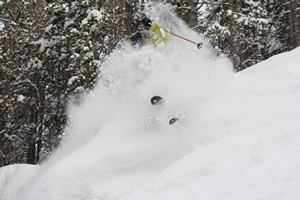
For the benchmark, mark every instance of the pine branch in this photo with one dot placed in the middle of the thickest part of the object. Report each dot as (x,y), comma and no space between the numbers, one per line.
(27,82)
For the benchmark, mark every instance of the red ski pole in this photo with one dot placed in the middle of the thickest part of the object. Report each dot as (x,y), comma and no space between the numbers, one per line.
(199,44)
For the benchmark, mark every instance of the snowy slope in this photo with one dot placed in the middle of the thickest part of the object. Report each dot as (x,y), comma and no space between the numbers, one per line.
(13,178)
(254,153)
(238,137)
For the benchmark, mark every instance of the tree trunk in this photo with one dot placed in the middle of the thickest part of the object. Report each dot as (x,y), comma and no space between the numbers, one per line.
(293,24)
(2,128)
(41,122)
(142,5)
(128,14)
(192,13)
(31,151)
(13,15)
(233,50)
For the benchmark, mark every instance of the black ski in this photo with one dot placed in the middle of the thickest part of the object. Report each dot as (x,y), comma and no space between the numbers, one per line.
(157,100)
(173,120)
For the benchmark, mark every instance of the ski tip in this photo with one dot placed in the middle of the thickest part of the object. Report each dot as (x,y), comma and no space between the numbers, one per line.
(156,100)
(173,120)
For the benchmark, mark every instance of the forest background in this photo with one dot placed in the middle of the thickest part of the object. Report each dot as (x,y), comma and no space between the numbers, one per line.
(52,51)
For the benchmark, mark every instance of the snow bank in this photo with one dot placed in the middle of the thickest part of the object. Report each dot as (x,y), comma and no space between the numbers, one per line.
(253,150)
(13,178)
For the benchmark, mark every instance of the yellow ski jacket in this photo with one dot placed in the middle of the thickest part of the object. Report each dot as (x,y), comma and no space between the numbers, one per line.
(160,34)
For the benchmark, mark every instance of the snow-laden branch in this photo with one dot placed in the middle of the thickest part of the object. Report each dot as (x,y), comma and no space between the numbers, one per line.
(4,21)
(27,82)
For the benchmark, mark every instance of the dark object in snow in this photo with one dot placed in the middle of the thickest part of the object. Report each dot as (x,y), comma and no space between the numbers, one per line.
(173,120)
(157,100)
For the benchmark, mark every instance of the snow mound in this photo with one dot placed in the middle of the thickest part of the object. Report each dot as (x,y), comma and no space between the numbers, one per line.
(255,153)
(13,178)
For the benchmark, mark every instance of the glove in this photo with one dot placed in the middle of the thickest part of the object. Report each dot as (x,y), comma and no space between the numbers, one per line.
(147,22)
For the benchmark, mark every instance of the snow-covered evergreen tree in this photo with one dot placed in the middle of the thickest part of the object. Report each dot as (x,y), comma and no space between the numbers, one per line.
(215,21)
(237,29)
(284,27)
(61,61)
(80,36)
(84,60)
(188,11)
(41,67)
(21,91)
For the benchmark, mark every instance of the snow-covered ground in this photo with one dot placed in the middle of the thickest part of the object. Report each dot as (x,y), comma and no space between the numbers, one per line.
(238,137)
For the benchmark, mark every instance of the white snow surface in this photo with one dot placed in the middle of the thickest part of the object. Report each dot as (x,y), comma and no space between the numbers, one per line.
(238,137)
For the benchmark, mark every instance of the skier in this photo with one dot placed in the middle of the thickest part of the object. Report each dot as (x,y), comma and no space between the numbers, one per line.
(153,33)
